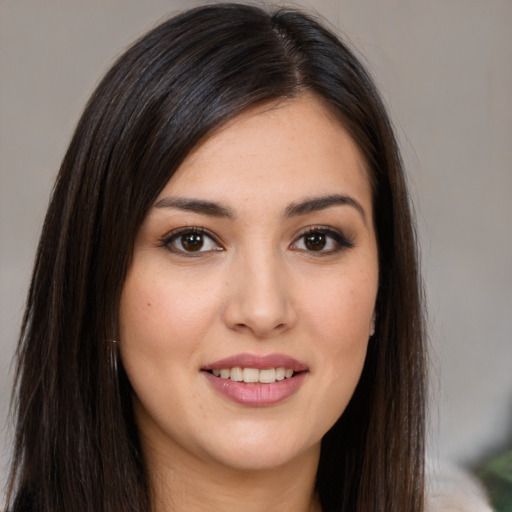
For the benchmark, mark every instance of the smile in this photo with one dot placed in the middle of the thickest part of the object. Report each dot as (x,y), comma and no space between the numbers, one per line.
(256,380)
(254,375)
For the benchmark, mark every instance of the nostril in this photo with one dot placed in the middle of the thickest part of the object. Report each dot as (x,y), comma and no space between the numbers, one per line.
(262,314)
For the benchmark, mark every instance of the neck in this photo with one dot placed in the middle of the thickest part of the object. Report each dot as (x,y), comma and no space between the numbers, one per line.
(204,485)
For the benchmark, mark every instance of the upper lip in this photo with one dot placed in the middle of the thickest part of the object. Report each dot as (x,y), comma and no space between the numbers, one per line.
(260,362)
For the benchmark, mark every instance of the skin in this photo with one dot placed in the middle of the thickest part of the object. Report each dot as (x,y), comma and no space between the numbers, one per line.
(254,287)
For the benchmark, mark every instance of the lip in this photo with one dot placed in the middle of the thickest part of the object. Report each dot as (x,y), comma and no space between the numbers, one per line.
(259,362)
(257,394)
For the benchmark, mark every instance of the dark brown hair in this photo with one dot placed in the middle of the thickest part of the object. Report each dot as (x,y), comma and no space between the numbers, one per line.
(76,446)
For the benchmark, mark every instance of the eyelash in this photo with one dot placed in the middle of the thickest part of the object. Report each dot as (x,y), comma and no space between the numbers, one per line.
(340,240)
(174,236)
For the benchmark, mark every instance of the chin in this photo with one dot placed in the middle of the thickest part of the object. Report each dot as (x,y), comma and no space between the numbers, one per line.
(253,452)
(258,460)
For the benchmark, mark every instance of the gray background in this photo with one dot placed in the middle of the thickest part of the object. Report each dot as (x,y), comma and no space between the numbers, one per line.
(445,70)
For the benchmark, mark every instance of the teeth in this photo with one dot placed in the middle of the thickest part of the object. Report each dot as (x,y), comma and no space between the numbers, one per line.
(253,375)
(237,374)
(250,375)
(268,376)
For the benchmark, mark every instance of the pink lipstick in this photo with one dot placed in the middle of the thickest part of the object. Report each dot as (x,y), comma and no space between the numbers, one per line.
(256,381)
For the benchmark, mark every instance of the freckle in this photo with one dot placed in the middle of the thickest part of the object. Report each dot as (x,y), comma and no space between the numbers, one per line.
(149,304)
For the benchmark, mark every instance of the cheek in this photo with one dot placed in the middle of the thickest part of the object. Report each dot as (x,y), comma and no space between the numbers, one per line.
(342,309)
(340,318)
(161,319)
(344,334)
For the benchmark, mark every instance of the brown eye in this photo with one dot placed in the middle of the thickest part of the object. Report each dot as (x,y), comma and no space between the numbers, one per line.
(192,241)
(323,241)
(187,241)
(315,241)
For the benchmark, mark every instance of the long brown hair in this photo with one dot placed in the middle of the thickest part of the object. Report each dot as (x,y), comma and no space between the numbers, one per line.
(76,445)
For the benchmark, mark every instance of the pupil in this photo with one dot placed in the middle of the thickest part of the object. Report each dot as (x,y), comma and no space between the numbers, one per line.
(315,241)
(192,241)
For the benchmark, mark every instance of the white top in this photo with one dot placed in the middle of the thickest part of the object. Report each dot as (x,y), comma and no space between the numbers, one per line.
(450,489)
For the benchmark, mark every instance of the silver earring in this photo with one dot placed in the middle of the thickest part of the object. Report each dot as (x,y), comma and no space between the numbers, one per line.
(113,354)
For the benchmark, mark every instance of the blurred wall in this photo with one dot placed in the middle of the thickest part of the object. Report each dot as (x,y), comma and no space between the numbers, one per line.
(444,67)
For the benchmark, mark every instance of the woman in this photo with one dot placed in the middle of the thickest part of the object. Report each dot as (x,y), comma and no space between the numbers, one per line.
(225,308)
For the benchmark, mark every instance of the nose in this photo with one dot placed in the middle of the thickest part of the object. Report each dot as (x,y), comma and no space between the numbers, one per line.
(260,298)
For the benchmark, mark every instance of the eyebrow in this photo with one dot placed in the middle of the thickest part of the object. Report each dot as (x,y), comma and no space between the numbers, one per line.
(198,206)
(295,209)
(315,204)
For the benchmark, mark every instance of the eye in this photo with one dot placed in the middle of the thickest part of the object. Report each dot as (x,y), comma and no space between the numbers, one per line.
(321,240)
(190,241)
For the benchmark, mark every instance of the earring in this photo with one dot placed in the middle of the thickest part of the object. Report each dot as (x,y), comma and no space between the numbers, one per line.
(113,354)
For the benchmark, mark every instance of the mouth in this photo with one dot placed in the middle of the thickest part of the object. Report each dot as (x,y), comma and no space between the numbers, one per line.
(256,381)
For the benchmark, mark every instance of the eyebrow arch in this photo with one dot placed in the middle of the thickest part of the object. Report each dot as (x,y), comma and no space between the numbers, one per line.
(315,204)
(196,205)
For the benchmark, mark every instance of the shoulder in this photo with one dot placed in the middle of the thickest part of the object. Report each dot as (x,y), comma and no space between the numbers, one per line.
(450,489)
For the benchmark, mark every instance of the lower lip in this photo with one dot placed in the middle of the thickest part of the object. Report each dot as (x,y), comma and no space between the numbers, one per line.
(257,394)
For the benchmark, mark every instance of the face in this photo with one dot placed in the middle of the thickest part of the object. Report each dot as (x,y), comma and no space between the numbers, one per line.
(246,314)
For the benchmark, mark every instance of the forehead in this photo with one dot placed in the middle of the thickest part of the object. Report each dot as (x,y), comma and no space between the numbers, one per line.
(280,151)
